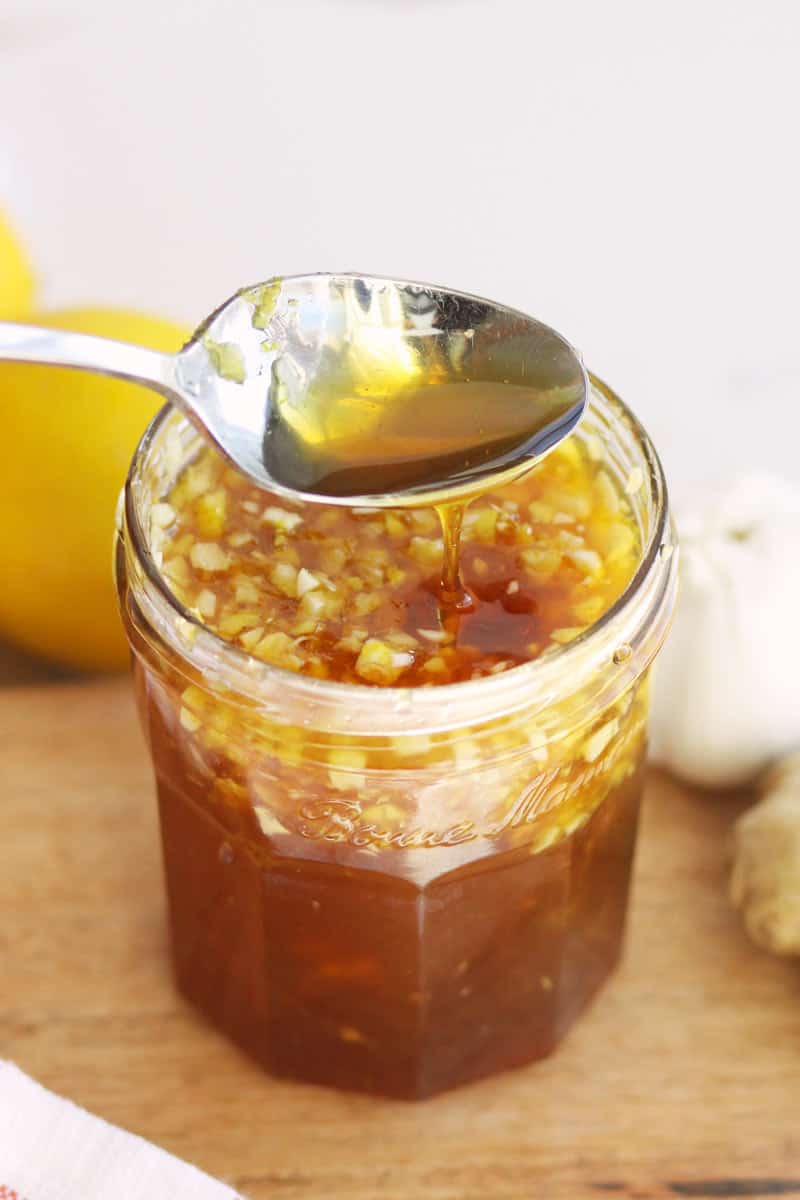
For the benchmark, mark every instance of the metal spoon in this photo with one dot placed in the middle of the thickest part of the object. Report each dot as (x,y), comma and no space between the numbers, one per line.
(299,380)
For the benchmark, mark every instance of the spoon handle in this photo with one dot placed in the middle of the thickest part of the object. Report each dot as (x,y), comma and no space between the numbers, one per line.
(59,348)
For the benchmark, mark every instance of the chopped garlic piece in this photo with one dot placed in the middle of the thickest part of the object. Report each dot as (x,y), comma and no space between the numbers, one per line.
(209,556)
(435,666)
(245,590)
(577,504)
(206,604)
(242,537)
(621,541)
(567,634)
(189,721)
(365,603)
(319,603)
(542,563)
(353,641)
(606,492)
(485,526)
(194,698)
(426,551)
(281,518)
(177,571)
(595,448)
(283,576)
(354,759)
(250,638)
(268,822)
(162,515)
(378,662)
(594,745)
(395,525)
(588,562)
(306,582)
(423,520)
(210,513)
(346,769)
(634,481)
(401,640)
(588,610)
(411,745)
(466,752)
(232,623)
(540,512)
(278,648)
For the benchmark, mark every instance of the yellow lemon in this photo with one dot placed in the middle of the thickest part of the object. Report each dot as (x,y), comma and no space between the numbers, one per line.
(16,277)
(67,439)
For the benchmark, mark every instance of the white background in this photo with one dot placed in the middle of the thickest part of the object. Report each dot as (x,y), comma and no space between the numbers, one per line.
(625,170)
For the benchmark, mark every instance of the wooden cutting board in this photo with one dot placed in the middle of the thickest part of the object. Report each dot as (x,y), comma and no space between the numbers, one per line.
(682,1081)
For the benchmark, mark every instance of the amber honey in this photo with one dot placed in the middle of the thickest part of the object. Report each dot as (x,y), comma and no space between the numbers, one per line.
(391,434)
(374,905)
(357,595)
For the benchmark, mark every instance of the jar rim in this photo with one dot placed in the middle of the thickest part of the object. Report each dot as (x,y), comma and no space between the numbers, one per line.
(444,706)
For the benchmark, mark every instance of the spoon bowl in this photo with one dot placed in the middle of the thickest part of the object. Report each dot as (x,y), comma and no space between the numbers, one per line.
(355,389)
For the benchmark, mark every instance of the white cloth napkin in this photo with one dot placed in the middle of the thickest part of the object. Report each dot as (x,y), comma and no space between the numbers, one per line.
(52,1150)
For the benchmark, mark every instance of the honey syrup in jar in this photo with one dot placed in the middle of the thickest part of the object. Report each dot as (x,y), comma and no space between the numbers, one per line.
(398,751)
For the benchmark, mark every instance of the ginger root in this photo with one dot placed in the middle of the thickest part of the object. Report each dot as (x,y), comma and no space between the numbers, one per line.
(765,879)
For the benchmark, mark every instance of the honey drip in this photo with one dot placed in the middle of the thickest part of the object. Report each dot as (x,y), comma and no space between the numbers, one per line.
(453,596)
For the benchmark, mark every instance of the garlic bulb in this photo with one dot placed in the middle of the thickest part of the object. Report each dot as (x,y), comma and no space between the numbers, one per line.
(727,685)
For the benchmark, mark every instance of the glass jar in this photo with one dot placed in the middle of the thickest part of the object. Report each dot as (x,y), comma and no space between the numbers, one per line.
(396,890)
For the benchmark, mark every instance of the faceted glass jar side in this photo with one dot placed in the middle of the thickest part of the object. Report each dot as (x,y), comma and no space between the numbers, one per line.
(386,890)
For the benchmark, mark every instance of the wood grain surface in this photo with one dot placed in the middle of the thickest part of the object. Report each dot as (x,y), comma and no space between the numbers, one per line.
(682,1081)
(18,667)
